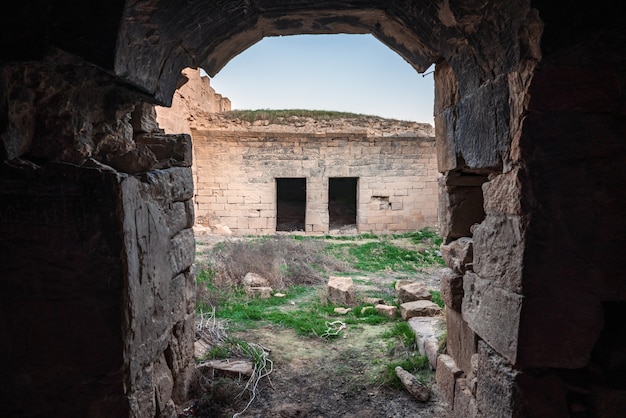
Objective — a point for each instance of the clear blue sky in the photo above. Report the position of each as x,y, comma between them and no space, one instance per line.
351,73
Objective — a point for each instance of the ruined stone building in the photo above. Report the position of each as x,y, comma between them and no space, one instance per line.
96,209
368,174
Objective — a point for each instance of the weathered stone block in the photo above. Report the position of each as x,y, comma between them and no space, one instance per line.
419,308
163,383
503,194
340,290
143,118
183,251
483,142
387,310
428,333
413,291
169,185
545,394
178,216
542,319
451,285
461,342
402,282
493,313
458,254
169,150
499,244
446,376
464,401
496,393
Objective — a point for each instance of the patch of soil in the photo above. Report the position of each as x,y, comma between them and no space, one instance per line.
315,378
332,379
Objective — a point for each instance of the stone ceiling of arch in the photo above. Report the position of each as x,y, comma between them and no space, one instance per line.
157,41
158,38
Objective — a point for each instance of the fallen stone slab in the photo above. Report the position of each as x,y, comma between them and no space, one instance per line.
428,333
410,310
342,311
413,386
227,367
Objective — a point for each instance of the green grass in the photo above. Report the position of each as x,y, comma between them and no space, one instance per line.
304,309
402,331
414,364
382,256
437,298
281,116
309,317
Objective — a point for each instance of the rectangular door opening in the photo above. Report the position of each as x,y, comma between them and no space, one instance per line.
290,204
342,197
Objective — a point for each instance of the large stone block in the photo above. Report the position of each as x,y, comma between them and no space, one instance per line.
144,118
169,150
493,313
157,321
413,291
496,393
340,290
419,308
481,141
428,334
446,375
169,185
548,321
503,194
461,342
499,244
464,401
451,285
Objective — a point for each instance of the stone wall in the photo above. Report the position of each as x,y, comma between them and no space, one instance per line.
194,96
97,291
236,178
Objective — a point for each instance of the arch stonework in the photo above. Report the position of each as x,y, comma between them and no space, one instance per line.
96,212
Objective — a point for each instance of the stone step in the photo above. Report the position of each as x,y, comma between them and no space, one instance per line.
428,333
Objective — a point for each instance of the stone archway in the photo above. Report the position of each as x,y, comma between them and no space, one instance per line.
529,114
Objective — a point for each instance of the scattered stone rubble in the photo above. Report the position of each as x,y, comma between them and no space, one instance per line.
417,308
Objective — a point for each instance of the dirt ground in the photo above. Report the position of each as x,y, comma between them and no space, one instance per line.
330,379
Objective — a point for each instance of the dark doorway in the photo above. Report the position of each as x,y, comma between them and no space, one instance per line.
290,204
342,201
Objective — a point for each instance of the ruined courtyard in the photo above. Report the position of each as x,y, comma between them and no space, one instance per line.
97,292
